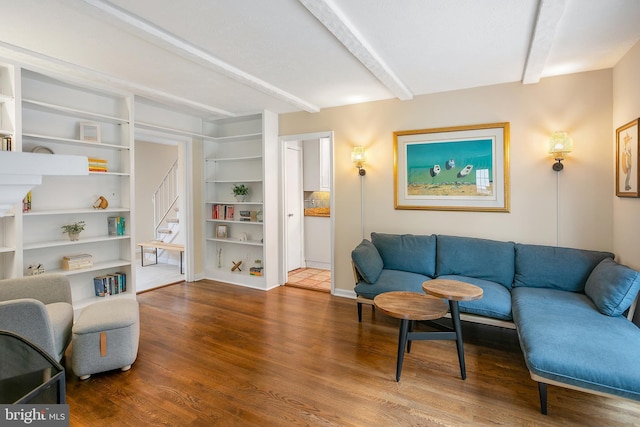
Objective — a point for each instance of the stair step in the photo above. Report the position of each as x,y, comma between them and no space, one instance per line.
164,231
173,220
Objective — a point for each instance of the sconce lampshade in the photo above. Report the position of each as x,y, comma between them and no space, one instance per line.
359,157
559,145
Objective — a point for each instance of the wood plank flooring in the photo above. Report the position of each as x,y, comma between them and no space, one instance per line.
217,354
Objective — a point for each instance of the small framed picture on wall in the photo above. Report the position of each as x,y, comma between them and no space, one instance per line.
627,148
90,132
221,231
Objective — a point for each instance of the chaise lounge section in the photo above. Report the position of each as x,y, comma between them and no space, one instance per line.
570,307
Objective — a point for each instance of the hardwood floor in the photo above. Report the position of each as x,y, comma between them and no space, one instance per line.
217,354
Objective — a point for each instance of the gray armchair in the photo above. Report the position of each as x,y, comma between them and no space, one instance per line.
39,309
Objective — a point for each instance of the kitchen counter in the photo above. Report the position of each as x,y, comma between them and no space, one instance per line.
324,212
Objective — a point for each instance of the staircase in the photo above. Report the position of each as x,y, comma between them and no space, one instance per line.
166,218
165,212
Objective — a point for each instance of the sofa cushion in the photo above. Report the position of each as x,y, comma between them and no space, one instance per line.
61,317
367,261
407,252
495,301
566,269
480,258
391,280
612,287
565,338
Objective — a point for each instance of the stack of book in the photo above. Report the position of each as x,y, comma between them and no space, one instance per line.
110,284
225,212
77,262
255,271
26,203
97,165
115,226
7,143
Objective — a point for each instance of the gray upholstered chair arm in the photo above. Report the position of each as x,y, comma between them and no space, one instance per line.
46,288
29,319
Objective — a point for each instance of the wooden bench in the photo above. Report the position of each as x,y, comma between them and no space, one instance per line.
160,245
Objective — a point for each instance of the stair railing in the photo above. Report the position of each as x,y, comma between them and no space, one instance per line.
165,197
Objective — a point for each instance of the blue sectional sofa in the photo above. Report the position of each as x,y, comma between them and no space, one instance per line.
570,307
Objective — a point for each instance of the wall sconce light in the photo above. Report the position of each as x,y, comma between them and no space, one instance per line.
359,158
559,146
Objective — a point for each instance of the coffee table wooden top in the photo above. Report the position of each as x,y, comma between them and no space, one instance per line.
411,305
452,290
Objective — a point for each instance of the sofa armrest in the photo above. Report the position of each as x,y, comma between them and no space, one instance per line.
46,288
29,319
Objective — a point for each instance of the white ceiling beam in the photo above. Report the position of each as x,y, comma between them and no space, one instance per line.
337,23
162,38
81,75
549,14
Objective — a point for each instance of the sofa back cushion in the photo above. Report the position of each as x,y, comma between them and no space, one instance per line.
551,267
612,287
407,252
367,261
480,258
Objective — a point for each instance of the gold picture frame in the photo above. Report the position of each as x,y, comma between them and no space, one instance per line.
461,168
627,149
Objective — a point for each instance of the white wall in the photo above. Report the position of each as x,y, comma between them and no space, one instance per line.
581,104
626,107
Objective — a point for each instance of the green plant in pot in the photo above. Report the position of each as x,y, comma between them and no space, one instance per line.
240,191
73,230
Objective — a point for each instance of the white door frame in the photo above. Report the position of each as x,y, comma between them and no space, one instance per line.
185,150
283,139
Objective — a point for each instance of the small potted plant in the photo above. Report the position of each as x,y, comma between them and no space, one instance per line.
240,191
73,230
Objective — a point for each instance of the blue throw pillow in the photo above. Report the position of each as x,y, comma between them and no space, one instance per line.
612,287
407,252
367,261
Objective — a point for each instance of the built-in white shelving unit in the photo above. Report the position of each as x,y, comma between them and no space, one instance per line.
8,223
52,112
241,151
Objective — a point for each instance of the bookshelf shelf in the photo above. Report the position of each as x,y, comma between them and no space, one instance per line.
68,111
234,159
236,241
5,98
231,181
109,173
5,250
67,242
72,141
77,211
232,202
235,221
104,265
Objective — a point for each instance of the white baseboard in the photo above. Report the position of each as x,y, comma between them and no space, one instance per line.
344,293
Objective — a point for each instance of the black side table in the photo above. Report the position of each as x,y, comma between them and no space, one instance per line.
28,374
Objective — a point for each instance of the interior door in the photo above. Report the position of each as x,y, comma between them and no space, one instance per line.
294,207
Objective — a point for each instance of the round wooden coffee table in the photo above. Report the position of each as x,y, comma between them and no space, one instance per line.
454,291
409,307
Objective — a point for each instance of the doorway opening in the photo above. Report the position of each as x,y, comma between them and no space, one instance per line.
307,205
160,214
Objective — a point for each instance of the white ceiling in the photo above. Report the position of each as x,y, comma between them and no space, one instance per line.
232,57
